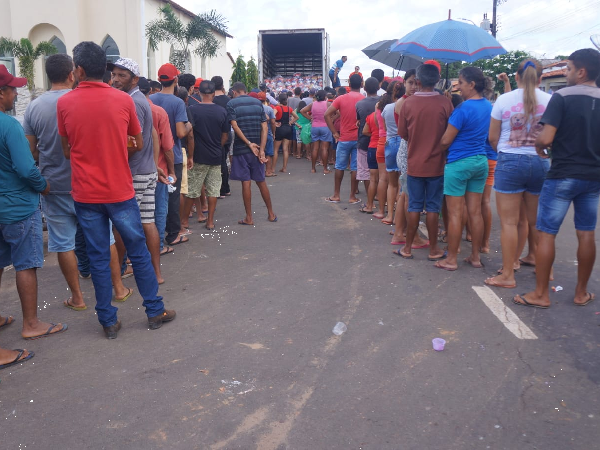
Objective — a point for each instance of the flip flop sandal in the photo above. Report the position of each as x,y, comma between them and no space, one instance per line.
48,333
525,263
449,269
589,300
524,302
179,240
491,282
7,321
438,258
241,222
398,252
18,359
67,304
124,299
328,199
274,220
166,251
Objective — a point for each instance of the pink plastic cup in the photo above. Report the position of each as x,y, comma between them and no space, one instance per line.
438,344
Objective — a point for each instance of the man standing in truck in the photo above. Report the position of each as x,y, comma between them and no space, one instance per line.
335,70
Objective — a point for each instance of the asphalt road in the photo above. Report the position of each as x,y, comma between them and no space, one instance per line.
251,361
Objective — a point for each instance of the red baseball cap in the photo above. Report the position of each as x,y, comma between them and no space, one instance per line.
6,78
433,62
167,72
197,83
253,95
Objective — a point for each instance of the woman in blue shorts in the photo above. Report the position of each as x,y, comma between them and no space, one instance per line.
520,172
466,168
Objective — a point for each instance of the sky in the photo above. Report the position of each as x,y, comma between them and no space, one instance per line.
543,28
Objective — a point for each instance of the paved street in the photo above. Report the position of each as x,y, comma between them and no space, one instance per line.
251,361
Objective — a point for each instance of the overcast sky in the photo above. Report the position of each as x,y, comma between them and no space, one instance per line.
543,28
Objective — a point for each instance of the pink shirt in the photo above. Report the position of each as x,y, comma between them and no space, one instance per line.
318,113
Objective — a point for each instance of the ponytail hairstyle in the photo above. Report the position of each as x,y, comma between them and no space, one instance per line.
320,95
529,71
301,105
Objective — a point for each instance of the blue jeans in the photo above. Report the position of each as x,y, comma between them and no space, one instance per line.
337,83
345,150
125,216
556,197
161,200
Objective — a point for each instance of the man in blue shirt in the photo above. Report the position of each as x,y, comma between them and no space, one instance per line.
335,70
21,239
180,128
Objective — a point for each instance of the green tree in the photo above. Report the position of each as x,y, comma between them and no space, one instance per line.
27,55
239,71
196,36
252,73
508,63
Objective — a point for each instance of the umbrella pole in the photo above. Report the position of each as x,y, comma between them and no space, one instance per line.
447,78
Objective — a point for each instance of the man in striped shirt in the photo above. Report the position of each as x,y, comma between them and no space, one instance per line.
249,122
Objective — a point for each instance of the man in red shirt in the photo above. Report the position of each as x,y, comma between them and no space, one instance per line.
346,138
94,122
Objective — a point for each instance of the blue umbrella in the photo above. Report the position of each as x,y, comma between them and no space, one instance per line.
449,41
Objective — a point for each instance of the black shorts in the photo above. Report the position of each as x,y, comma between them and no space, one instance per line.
283,132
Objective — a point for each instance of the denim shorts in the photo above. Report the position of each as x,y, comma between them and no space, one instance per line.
372,158
269,146
466,175
346,150
556,197
392,146
425,191
320,134
520,173
22,243
61,220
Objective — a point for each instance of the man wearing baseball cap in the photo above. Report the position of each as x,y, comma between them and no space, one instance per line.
180,128
21,240
143,164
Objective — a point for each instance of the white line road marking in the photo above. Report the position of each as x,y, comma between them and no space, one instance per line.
504,313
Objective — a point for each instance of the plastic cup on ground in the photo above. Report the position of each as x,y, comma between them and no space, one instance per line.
438,344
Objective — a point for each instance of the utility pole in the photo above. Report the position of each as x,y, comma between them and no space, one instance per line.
494,27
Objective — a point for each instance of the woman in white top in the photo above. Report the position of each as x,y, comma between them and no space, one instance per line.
520,172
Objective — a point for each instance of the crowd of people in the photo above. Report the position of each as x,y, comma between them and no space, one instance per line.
125,162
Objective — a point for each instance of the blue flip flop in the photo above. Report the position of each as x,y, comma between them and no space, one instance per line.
18,359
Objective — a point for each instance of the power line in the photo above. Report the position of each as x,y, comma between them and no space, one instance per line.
556,22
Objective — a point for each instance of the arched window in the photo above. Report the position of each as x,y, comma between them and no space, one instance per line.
111,49
59,44
60,48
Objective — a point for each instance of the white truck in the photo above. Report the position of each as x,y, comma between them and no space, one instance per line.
292,58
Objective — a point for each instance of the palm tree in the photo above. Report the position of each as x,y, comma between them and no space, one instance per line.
27,55
197,35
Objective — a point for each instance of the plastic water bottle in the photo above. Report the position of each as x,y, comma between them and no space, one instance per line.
339,328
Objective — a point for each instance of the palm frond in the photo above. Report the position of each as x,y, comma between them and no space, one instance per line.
9,46
44,48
